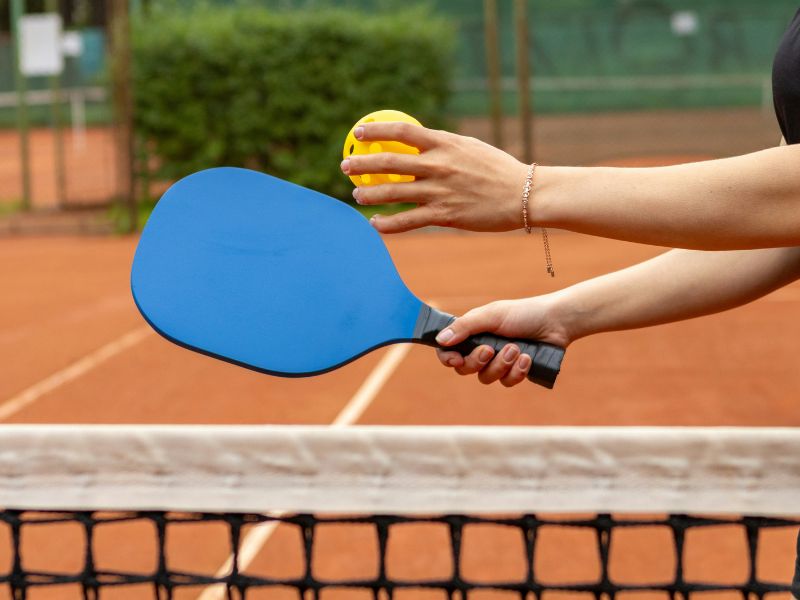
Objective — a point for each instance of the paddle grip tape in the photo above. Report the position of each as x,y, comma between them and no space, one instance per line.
546,358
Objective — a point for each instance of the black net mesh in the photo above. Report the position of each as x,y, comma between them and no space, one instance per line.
165,578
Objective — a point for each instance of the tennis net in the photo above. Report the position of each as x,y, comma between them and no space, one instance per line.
386,512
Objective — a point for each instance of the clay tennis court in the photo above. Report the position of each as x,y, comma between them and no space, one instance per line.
75,350
71,306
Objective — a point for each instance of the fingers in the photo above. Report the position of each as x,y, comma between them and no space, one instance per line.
476,360
509,367
466,365
386,162
404,221
503,367
408,133
449,358
386,193
518,372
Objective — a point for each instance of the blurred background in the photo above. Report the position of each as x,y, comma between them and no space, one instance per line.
137,93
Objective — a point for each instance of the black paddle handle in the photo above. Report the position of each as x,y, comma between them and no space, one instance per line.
545,358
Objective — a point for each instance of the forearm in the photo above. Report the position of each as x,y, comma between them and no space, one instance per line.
677,285
750,201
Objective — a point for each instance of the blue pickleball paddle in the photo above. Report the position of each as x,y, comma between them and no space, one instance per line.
278,278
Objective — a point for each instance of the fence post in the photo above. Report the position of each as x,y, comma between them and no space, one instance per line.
523,78
123,106
17,9
55,115
493,70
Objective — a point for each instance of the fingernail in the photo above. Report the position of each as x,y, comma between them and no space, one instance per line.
359,133
356,193
373,220
524,362
445,336
345,165
451,362
485,355
510,354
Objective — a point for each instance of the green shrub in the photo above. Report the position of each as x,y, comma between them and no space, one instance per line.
278,91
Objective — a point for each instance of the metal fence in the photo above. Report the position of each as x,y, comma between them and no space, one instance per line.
55,134
589,55
584,56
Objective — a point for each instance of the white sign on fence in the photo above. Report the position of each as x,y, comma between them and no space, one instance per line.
40,45
685,23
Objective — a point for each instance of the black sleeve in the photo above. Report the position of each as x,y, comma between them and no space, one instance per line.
797,570
786,83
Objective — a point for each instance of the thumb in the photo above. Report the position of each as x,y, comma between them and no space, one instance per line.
479,320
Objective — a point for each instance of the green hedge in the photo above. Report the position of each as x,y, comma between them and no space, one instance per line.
278,91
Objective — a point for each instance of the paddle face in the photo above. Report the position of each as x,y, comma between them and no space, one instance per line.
267,274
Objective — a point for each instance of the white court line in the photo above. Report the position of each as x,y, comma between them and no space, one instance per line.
73,371
371,386
258,536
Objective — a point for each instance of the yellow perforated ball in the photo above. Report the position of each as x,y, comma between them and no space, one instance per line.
353,146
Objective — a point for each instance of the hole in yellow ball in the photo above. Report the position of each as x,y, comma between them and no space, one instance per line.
352,148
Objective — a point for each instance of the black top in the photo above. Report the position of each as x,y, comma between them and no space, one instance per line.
786,82
797,568
786,93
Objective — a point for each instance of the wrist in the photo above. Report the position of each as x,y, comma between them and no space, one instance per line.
513,205
546,206
566,316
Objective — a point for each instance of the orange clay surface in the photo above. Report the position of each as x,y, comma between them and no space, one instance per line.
65,298
90,169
